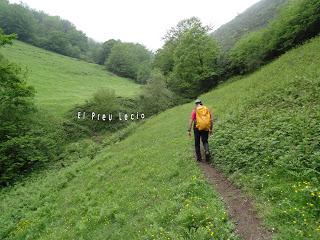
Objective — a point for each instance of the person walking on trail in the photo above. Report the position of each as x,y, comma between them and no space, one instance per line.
202,120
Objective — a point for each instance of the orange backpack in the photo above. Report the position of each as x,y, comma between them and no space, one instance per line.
203,118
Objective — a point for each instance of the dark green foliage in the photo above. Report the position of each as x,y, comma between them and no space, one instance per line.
17,19
6,39
93,53
252,19
188,58
164,58
105,51
48,32
129,60
30,150
144,72
16,99
26,138
297,22
16,108
155,96
195,62
104,101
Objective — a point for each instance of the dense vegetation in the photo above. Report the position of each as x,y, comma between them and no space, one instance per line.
254,18
48,32
129,60
266,136
267,139
298,21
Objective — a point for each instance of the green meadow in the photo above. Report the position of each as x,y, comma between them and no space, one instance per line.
148,186
60,81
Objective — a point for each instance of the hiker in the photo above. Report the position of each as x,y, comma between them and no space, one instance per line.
202,120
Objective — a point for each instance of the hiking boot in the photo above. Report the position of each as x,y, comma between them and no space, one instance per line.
199,160
208,158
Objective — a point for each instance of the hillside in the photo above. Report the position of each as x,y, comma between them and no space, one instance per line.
266,139
61,81
252,19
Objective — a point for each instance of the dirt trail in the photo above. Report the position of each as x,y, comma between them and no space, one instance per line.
239,206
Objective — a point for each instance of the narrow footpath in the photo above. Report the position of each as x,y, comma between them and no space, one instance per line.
240,207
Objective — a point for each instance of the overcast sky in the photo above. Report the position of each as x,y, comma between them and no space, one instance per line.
143,21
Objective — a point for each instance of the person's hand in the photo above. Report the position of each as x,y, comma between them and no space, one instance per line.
210,132
189,133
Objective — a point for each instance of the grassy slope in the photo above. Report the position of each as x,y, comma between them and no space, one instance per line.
61,81
147,186
267,139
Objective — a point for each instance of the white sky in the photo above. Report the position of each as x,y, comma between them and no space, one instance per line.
143,21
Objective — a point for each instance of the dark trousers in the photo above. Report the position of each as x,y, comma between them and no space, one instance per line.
204,138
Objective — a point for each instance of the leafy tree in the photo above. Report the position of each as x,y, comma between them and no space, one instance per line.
174,34
105,51
15,96
164,58
155,96
126,59
17,19
189,58
16,107
143,72
94,51
25,141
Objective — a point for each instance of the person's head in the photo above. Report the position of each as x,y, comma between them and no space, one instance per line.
198,102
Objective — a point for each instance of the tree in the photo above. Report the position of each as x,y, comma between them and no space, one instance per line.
105,51
16,98
164,58
18,19
155,96
24,140
174,34
126,59
195,56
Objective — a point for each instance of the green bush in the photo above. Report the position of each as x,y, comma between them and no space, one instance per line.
104,101
155,96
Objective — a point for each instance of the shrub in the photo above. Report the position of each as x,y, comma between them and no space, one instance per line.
104,101
155,96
